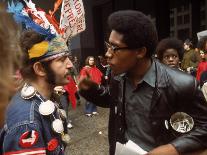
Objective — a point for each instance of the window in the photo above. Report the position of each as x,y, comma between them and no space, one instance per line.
179,20
171,33
183,34
186,19
203,15
186,7
202,3
180,8
172,22
202,27
171,12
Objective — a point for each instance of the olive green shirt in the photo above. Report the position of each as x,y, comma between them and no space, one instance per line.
190,59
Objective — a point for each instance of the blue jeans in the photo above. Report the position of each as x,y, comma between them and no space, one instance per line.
90,107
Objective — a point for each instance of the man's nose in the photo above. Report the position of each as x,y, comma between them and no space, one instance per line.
69,63
108,54
171,58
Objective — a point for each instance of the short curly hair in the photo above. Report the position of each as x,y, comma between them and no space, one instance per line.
202,43
137,29
169,43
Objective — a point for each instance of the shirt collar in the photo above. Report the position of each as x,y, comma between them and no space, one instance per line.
149,77
120,77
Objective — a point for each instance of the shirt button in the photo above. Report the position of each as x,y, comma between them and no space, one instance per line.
119,114
120,129
154,123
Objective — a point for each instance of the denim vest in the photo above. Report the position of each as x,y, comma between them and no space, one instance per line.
23,116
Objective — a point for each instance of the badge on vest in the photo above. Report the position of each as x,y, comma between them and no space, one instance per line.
180,122
28,139
46,108
28,92
52,144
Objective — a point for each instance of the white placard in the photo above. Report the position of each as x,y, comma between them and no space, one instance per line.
72,19
201,34
130,148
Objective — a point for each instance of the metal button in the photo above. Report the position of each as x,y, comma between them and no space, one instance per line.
154,123
166,125
115,109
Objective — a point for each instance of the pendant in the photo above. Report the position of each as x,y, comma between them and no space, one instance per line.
62,113
46,108
65,138
57,126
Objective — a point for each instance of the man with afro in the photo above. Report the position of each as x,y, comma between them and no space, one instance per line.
160,109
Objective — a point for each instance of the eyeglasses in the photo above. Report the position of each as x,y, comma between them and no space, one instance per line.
114,48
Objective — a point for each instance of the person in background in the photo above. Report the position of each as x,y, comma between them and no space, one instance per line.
104,68
190,59
203,83
64,98
90,71
152,106
202,66
170,52
10,58
76,64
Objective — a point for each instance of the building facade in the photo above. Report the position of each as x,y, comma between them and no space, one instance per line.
176,18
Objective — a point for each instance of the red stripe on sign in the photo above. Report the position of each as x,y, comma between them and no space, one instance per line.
35,151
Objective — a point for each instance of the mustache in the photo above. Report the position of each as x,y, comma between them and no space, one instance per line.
69,73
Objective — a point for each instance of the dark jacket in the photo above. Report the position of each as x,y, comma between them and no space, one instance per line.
175,91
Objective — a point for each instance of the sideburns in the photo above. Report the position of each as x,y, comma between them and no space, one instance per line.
50,73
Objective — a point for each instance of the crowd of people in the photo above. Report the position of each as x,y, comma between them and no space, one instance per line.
184,56
155,91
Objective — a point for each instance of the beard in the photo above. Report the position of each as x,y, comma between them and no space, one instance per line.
51,76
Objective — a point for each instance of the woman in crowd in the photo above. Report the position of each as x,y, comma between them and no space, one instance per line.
202,66
91,71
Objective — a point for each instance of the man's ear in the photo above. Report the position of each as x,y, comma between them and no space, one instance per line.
141,52
39,69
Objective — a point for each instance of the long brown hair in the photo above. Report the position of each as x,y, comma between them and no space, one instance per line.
87,60
9,54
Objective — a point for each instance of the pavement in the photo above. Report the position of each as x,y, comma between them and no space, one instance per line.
89,135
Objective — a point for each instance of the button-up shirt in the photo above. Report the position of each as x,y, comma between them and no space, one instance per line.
137,103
